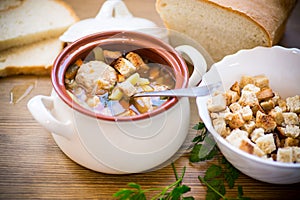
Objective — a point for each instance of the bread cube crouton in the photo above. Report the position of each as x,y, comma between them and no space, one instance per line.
232,96
236,88
265,121
285,155
265,94
296,154
214,116
225,114
257,133
276,113
250,147
245,80
143,104
239,139
281,131
236,134
236,121
266,143
136,60
235,107
220,126
248,99
257,108
290,118
282,105
111,56
292,131
124,67
249,126
261,81
289,142
251,88
293,104
275,98
216,103
127,88
246,113
267,106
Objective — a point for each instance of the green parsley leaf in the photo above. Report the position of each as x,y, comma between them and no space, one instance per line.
212,172
177,192
123,194
134,185
231,174
199,126
204,147
174,191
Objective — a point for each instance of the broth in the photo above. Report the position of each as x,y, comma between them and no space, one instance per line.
104,81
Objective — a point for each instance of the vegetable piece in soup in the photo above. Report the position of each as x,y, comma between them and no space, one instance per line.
105,82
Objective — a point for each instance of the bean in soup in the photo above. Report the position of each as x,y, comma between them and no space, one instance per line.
104,82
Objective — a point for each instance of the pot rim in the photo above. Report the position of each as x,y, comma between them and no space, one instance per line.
72,52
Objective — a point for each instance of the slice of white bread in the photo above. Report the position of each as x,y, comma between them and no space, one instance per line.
223,27
27,21
32,59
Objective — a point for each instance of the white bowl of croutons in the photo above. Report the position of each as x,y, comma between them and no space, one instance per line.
255,117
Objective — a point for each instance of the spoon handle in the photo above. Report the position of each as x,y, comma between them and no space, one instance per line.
184,92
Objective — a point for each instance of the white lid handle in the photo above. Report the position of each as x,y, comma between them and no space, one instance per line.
113,8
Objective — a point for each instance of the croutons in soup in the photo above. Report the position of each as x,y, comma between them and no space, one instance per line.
104,82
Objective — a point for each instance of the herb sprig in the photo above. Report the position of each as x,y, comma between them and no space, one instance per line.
174,191
216,175
204,148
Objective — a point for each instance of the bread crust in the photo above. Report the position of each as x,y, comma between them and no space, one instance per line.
247,17
268,15
26,70
69,8
267,18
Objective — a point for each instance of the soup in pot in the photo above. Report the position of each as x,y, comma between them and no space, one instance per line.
105,80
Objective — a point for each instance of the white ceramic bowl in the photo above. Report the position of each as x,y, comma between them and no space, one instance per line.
282,67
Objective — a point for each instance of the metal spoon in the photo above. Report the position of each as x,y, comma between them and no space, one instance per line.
184,92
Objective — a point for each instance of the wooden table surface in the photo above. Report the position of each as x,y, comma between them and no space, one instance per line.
32,165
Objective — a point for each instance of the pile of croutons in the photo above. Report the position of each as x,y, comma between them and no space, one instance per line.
254,118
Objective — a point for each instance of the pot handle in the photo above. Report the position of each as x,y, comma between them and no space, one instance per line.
198,61
116,7
38,108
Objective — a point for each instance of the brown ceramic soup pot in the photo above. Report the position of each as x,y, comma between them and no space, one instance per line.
119,145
